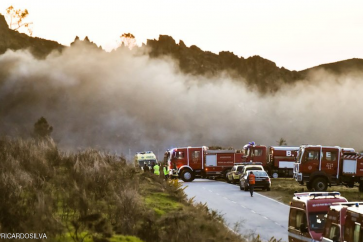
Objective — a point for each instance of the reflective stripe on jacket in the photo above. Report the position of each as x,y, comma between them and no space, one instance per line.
251,179
157,170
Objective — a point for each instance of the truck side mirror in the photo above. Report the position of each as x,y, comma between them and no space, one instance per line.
303,228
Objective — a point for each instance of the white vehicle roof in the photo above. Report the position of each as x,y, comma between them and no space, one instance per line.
145,156
356,209
284,148
204,147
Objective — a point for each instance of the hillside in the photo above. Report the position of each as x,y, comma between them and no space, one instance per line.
95,196
10,39
257,72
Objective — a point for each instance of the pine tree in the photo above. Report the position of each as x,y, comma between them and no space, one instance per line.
42,129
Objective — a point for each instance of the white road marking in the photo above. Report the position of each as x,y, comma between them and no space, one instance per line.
243,206
253,211
272,199
265,217
225,198
218,194
209,190
233,201
264,196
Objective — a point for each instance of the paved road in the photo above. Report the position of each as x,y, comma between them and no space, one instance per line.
258,214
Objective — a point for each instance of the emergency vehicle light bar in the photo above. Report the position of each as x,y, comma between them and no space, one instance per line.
348,204
316,194
321,194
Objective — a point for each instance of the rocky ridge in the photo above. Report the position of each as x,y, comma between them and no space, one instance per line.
257,72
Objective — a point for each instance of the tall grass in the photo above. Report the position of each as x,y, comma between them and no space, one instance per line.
95,196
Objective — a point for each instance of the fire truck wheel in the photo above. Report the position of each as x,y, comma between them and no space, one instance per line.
320,184
309,186
187,176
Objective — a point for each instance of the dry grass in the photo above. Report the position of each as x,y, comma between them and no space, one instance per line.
94,196
283,190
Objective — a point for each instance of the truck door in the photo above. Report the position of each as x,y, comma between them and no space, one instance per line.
297,229
310,160
195,158
329,161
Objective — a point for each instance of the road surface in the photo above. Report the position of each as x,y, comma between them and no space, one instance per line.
258,214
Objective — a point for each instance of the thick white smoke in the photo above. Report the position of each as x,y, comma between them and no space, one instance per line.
126,102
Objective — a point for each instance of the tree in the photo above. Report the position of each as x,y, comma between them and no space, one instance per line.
282,142
42,129
128,40
16,19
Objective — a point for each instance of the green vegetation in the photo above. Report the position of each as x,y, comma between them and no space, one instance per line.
283,190
95,196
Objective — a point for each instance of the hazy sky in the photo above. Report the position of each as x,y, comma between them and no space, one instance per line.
293,34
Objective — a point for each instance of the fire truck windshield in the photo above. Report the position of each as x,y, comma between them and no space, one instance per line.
317,221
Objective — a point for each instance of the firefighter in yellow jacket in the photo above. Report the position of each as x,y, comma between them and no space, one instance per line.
157,169
166,172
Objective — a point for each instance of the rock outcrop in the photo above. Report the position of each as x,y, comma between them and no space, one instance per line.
257,72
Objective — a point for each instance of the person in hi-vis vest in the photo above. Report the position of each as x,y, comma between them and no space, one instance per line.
166,172
251,181
157,169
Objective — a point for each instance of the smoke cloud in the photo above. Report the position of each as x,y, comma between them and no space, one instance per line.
125,102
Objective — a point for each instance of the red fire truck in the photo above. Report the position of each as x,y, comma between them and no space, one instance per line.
276,160
322,166
344,223
189,162
308,212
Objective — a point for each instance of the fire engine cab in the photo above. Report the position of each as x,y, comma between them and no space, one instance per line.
344,223
319,166
308,212
189,162
276,160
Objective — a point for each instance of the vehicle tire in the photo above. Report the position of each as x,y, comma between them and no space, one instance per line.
320,184
240,187
361,186
235,181
309,186
245,188
268,189
228,181
187,175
